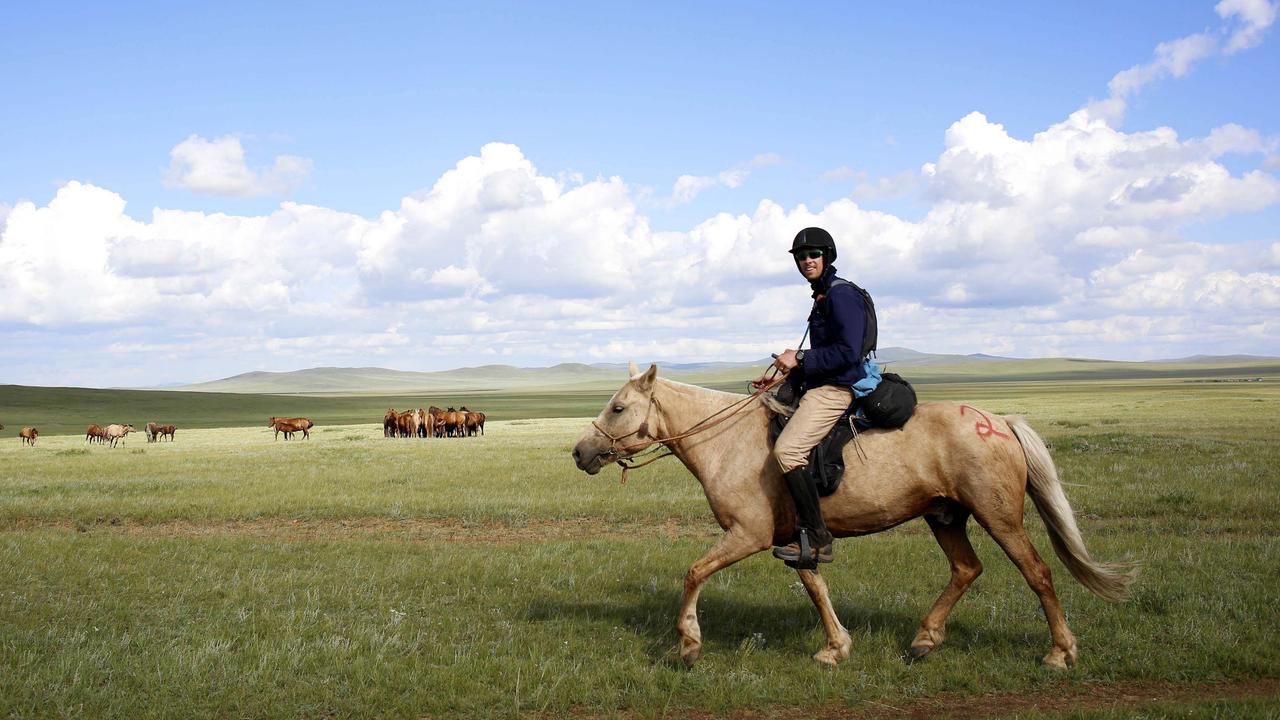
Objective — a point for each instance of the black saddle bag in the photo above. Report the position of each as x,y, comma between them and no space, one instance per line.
826,459
891,404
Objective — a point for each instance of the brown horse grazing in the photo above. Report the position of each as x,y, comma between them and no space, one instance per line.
29,435
115,433
95,433
168,431
948,462
300,424
390,423
152,431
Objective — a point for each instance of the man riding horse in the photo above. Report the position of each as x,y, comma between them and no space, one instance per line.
952,461
832,373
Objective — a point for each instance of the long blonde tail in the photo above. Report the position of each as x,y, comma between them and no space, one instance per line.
1109,581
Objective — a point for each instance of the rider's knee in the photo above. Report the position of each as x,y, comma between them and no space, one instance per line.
786,458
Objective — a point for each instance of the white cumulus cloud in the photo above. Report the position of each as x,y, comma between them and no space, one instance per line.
688,187
218,167
1068,241
1252,18
1243,26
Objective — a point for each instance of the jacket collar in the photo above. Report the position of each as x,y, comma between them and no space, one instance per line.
823,284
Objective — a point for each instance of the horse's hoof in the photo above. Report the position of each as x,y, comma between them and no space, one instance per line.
918,652
828,656
1056,660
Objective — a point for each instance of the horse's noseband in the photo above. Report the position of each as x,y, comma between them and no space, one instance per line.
620,453
616,449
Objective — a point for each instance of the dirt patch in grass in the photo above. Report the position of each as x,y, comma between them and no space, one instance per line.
1084,697
464,531
401,530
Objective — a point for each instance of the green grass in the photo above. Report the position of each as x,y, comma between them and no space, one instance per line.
227,574
96,622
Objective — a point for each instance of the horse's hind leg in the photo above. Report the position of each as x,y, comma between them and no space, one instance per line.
1012,537
838,640
729,549
953,537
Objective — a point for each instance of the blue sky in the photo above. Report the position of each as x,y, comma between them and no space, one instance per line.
593,114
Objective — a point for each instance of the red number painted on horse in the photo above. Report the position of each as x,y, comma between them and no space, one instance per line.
983,427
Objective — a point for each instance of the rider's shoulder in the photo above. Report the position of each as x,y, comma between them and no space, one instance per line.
841,286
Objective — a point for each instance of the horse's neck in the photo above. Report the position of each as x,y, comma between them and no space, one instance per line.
729,444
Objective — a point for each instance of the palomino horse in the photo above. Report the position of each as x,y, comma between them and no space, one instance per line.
948,462
115,433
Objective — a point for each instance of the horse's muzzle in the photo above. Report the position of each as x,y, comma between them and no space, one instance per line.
587,458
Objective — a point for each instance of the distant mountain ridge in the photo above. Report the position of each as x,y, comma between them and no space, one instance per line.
918,366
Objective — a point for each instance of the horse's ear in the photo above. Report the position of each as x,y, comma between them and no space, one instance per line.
645,382
633,369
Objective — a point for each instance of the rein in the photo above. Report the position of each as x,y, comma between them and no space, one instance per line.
618,450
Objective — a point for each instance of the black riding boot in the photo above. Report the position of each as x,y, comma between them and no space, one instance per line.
813,543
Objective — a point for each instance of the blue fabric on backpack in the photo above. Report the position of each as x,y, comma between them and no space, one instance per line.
870,381
864,387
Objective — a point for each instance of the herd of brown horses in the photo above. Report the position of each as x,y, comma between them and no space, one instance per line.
433,422
112,434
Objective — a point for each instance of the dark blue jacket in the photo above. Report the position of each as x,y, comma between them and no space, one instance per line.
836,326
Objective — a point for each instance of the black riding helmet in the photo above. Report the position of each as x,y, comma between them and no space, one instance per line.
815,237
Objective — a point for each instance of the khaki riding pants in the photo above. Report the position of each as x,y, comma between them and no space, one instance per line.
819,410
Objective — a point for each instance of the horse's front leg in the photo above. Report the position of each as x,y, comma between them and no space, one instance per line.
733,546
838,640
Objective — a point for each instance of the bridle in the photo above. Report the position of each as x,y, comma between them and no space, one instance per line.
619,452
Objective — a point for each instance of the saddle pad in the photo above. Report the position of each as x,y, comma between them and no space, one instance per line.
826,459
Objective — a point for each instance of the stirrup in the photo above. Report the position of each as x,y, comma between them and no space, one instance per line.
808,559
808,556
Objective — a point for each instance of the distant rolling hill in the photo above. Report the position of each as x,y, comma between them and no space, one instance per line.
916,366
333,380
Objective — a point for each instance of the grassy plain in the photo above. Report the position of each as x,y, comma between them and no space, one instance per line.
68,411
227,574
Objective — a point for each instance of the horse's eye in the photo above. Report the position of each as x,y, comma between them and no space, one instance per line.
618,408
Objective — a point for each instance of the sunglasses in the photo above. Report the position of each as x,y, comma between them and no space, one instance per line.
808,254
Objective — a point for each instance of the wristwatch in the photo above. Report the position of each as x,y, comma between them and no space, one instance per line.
799,357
